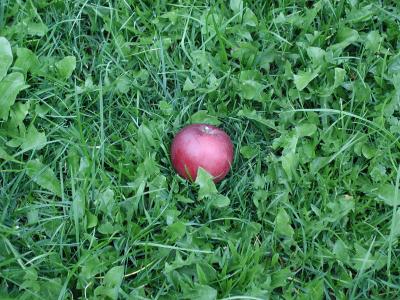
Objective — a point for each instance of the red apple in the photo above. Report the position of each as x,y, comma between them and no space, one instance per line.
202,145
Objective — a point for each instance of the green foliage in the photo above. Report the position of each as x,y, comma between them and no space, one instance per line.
10,86
282,224
33,139
302,79
111,285
6,57
66,66
43,176
91,94
209,192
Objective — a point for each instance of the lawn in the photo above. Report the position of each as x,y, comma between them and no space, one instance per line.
92,93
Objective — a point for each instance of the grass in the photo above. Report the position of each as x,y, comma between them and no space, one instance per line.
91,95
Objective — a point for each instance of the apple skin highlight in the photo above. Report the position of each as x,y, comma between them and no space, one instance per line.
205,146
